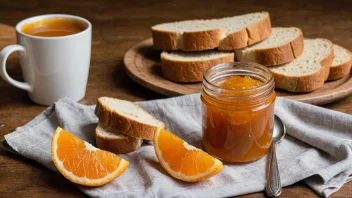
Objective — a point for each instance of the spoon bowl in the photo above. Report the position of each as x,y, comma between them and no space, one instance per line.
279,130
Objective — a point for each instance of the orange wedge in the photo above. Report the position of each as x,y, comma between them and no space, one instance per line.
82,163
183,161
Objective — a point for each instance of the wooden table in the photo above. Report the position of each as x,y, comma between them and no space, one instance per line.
116,27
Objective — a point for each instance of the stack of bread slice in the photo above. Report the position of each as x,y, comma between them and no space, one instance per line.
298,64
123,125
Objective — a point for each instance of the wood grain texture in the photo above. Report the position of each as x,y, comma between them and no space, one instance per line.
143,65
117,26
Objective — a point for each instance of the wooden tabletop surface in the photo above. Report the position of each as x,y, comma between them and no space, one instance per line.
117,26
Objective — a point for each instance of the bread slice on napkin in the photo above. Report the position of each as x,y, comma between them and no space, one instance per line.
116,143
121,116
309,71
283,46
226,33
341,65
190,66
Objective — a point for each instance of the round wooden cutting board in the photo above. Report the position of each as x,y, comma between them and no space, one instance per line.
142,64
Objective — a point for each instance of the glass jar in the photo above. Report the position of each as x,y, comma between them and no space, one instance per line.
237,123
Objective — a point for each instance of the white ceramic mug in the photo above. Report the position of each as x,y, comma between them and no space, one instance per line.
52,67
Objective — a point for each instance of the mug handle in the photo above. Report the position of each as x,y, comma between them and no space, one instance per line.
4,54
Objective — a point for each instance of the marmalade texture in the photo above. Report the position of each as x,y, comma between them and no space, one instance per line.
238,133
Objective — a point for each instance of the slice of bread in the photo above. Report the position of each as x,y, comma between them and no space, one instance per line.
190,66
309,71
226,33
283,46
116,143
121,116
341,65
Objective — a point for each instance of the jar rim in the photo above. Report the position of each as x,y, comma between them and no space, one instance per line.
220,72
246,64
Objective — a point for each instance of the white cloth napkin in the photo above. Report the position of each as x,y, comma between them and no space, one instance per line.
317,149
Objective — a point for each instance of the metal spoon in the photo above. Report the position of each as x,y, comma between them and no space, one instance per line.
273,184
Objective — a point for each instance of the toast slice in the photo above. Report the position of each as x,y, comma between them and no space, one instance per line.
116,143
190,66
226,33
341,65
121,116
307,72
282,46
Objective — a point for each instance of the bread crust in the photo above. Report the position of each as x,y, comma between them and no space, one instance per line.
341,70
248,36
235,40
276,55
165,40
118,145
189,71
309,82
210,39
203,40
118,123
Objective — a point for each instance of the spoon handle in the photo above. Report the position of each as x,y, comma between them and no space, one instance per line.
273,185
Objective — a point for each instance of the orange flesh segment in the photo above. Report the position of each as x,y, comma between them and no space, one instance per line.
240,83
78,160
179,158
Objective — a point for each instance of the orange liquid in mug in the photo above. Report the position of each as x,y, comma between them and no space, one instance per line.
238,135
53,27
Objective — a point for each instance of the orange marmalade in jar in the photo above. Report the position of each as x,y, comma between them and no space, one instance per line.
238,111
